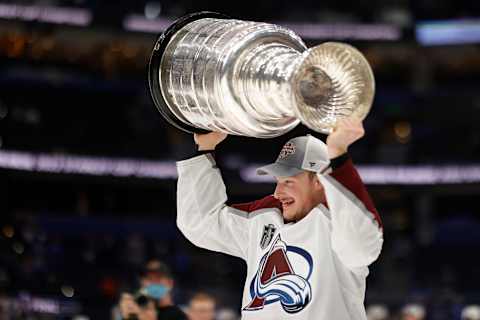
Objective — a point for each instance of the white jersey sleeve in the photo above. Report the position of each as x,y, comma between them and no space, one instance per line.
357,235
202,214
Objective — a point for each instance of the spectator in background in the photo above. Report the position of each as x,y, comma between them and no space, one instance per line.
413,311
471,312
154,299
377,312
201,307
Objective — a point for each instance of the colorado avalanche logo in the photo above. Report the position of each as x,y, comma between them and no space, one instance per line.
276,281
288,149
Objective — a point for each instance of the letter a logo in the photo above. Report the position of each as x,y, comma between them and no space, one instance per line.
276,281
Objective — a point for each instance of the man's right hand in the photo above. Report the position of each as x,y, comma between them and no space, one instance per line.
209,141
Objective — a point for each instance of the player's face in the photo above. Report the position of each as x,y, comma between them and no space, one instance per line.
299,195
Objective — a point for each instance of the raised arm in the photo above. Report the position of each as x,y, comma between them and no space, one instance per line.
202,214
357,234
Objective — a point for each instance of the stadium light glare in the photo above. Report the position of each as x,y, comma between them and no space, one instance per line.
121,167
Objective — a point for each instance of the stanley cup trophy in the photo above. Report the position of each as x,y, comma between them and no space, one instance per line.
211,73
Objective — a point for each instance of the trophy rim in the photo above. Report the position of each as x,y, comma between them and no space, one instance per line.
155,60
309,54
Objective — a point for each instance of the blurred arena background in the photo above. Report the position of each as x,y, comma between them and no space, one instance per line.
87,164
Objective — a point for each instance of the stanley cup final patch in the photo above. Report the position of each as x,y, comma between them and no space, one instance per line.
267,236
288,149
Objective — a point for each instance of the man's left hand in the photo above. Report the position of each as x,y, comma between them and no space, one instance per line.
346,132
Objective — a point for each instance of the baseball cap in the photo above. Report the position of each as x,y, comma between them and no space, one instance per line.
297,155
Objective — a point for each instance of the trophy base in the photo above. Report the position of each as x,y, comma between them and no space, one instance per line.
154,65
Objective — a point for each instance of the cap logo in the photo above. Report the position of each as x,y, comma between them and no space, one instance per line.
288,149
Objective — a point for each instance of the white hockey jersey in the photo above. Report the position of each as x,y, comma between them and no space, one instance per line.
315,268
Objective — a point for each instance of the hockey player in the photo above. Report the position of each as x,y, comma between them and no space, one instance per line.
308,246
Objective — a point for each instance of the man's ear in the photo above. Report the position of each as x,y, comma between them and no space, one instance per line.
317,183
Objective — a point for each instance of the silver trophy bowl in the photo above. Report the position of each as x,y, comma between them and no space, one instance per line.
211,73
